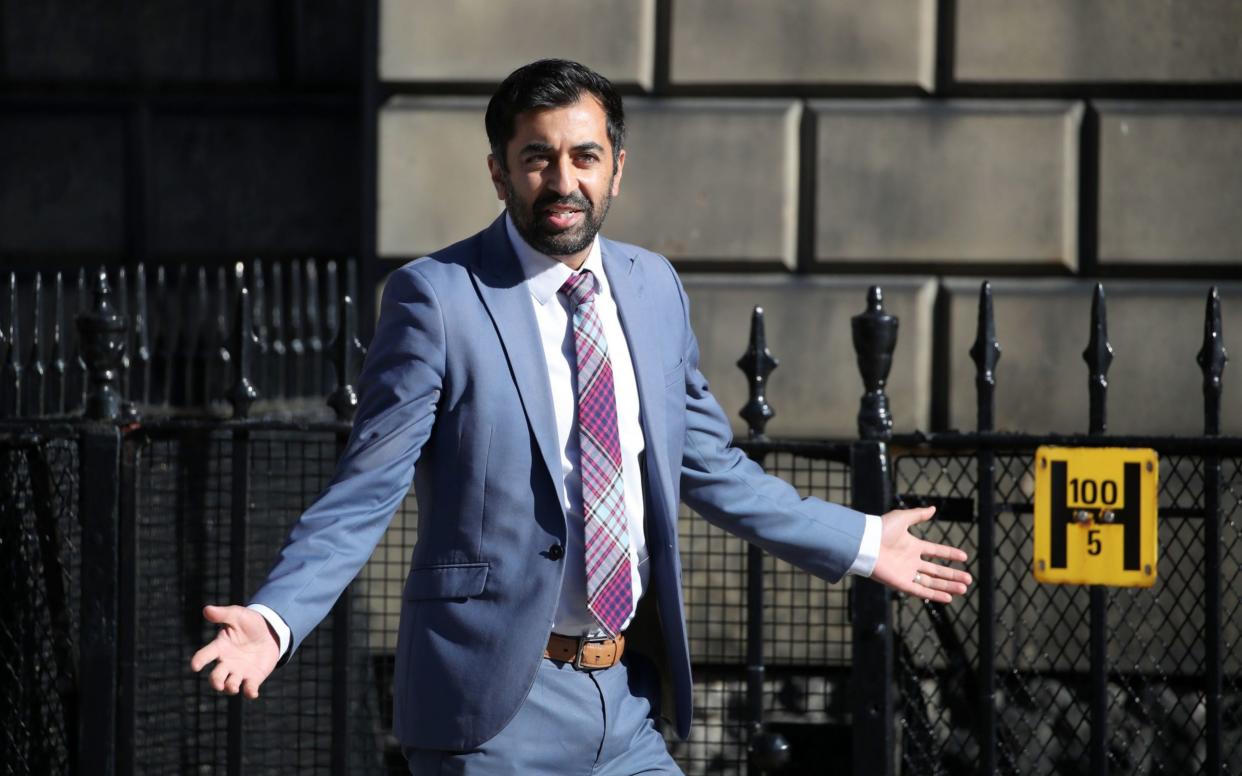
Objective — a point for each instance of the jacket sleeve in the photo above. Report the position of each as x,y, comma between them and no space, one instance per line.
399,389
734,493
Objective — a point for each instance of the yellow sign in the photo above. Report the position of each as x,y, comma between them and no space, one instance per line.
1095,516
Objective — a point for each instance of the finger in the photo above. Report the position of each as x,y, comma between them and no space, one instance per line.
232,685
944,552
251,688
204,656
940,584
947,573
222,615
218,675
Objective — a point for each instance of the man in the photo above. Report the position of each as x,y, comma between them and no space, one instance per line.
540,385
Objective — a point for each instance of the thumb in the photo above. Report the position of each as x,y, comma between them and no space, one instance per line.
218,614
921,515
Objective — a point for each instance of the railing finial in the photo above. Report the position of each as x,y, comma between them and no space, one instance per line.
875,338
347,352
1099,357
102,335
757,363
1212,358
986,352
243,393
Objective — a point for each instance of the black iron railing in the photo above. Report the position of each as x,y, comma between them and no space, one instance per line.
154,462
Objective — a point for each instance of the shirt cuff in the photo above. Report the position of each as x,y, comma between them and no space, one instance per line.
868,549
282,630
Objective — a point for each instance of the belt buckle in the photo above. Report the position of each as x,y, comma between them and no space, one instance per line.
583,641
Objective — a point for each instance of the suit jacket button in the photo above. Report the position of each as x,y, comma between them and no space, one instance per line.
556,552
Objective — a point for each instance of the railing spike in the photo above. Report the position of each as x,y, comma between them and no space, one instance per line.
331,321
140,371
182,354
875,338
279,351
258,300
1212,359
56,358
11,370
36,370
199,376
1099,357
220,359
314,341
757,363
243,393
347,353
297,346
986,352
162,361
102,333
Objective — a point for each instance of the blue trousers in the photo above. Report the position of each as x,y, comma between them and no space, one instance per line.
576,723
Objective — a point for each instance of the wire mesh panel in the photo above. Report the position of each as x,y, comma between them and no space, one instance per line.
184,556
1156,656
39,602
806,636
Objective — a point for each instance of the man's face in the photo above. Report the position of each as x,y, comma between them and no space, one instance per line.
561,178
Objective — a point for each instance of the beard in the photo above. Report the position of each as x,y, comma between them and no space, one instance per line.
546,239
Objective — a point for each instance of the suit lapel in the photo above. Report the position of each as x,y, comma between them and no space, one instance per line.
625,275
501,286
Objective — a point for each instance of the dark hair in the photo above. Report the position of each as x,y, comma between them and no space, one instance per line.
550,83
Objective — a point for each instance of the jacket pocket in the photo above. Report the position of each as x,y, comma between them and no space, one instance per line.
459,580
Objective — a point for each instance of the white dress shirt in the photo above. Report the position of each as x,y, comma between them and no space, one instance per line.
544,277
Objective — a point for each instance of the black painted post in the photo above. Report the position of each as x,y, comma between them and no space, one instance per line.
872,698
161,362
262,360
346,352
241,395
1212,359
1099,357
766,751
986,352
297,345
102,344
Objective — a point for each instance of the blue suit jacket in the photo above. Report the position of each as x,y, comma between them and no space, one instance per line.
454,395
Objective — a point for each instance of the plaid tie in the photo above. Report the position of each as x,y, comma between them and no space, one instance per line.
609,579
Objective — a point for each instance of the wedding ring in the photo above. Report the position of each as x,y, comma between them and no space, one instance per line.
918,576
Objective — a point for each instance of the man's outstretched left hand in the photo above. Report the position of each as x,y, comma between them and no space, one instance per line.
908,563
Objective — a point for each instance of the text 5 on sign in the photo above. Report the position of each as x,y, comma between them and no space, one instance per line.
1095,516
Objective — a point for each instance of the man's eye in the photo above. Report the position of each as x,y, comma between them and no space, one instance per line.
537,162
588,159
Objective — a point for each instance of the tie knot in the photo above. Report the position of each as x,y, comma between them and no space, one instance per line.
579,288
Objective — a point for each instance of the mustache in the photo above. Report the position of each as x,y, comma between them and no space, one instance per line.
574,200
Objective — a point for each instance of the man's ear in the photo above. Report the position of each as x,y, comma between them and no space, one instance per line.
498,176
616,175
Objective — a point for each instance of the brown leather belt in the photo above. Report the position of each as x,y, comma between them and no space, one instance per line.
586,654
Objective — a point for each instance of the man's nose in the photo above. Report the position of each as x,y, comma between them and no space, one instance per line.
562,178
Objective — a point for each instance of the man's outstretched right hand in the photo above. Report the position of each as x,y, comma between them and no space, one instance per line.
245,650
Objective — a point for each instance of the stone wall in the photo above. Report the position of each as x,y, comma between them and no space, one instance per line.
790,155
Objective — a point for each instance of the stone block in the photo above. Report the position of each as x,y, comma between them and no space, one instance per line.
685,160
1099,41
804,42
1155,327
434,187
62,184
816,389
1170,183
242,184
484,40
711,180
960,181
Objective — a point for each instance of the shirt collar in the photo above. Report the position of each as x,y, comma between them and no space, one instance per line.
544,274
